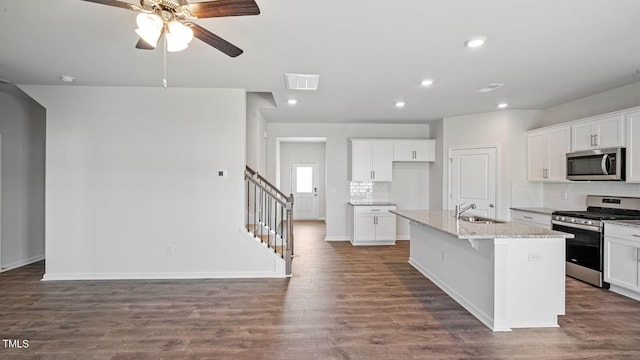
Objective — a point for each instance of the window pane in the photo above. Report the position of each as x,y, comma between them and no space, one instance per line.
304,183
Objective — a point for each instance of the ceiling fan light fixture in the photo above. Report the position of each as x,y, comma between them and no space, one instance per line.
178,36
149,28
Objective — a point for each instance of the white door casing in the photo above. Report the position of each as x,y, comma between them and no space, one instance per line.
473,179
304,187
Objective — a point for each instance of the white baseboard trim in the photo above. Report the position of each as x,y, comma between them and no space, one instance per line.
20,263
625,292
337,238
158,276
403,237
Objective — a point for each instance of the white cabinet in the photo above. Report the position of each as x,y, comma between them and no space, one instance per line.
598,133
546,154
622,259
633,147
373,225
411,150
531,218
371,160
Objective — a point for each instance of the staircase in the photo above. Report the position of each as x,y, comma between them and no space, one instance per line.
269,214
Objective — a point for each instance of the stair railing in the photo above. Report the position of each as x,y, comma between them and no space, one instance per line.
269,215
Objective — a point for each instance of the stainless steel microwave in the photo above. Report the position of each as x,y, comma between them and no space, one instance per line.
601,164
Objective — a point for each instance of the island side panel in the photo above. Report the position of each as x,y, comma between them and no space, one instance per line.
464,273
535,282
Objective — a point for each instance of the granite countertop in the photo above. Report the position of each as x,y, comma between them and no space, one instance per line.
631,223
371,203
539,210
443,220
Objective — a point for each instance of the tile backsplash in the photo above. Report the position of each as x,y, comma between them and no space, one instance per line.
369,190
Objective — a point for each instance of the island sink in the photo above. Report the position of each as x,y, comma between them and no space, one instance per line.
480,219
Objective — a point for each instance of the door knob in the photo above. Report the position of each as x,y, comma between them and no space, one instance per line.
491,206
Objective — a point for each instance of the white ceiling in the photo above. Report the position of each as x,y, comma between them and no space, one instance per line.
369,53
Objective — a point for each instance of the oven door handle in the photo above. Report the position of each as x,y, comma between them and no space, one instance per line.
576,226
605,162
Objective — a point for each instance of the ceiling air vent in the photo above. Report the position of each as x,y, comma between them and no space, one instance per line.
302,81
489,88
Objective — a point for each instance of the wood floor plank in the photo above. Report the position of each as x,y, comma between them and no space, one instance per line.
343,302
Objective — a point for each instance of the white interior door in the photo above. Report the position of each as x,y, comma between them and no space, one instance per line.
304,187
472,179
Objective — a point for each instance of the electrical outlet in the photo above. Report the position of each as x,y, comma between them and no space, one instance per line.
535,257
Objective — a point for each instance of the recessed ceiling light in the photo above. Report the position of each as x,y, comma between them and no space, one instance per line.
400,104
427,82
67,79
503,105
475,41
292,101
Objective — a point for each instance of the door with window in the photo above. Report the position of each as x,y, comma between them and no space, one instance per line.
472,179
304,187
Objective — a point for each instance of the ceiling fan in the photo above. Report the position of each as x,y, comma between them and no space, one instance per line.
173,19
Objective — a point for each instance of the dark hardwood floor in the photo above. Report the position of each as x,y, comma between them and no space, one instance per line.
342,303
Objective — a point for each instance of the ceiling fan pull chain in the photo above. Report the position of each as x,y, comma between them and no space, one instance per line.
164,64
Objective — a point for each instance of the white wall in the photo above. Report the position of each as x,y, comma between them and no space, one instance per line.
613,100
303,151
410,191
256,128
132,189
337,155
504,129
22,126
437,195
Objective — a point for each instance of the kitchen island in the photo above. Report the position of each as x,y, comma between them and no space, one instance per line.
507,275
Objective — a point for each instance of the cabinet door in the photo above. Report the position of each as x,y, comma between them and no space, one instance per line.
404,150
425,150
364,228
558,145
361,159
386,227
582,137
609,132
633,147
536,156
382,157
621,263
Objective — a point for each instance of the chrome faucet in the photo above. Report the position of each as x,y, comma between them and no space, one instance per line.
460,209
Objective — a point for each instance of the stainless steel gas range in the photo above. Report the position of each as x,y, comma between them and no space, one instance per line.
585,252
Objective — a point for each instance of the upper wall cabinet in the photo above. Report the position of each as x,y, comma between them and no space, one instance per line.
410,150
546,154
598,133
633,147
371,160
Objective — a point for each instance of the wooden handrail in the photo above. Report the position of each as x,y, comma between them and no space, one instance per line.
264,180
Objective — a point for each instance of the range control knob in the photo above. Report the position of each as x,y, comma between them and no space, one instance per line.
589,222
573,220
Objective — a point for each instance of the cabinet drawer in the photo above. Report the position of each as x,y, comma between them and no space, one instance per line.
374,210
531,217
623,232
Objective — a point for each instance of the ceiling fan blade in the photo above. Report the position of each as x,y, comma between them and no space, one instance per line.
215,41
220,8
116,3
144,45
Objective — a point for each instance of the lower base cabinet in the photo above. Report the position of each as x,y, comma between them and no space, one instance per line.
622,259
531,218
373,225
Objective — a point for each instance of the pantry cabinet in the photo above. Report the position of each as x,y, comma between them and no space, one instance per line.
598,133
371,160
546,154
622,259
414,150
